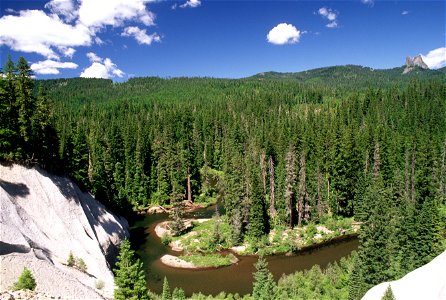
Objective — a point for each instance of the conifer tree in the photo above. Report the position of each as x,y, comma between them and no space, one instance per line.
26,281
264,287
166,290
129,275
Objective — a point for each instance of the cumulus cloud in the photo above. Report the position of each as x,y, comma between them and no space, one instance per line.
330,15
436,58
63,8
33,31
140,35
405,12
101,68
283,33
51,66
191,3
99,13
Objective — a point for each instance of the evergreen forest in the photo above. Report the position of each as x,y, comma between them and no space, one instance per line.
274,151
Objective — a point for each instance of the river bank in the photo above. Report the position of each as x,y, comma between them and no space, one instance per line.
235,278
206,242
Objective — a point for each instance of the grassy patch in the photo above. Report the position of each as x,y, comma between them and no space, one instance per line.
209,260
208,237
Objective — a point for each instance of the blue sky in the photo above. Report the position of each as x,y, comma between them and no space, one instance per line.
119,39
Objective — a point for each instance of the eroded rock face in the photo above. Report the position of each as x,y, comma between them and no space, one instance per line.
45,217
426,282
416,61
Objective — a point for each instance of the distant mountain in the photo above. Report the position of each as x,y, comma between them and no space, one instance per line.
356,76
416,61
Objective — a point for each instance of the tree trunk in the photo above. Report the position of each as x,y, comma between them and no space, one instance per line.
189,189
290,178
272,204
302,188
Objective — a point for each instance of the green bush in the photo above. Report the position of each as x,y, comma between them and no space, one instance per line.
26,281
99,284
70,260
80,264
166,239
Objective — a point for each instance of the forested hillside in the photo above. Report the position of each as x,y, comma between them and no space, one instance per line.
354,77
276,153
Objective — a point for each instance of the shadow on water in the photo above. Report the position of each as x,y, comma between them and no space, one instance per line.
233,279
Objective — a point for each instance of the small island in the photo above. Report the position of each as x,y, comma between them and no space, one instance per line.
207,243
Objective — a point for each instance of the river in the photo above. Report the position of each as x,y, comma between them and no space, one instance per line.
233,279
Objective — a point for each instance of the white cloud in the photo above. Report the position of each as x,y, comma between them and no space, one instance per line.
283,33
368,2
140,35
51,67
11,11
93,57
66,51
191,3
436,58
405,12
99,13
63,8
101,68
330,15
35,32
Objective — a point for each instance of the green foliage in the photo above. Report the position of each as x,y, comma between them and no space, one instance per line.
166,239
166,290
209,260
80,264
178,294
129,275
264,287
26,281
388,295
27,133
70,260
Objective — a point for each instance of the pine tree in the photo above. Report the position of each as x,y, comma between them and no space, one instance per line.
166,290
264,287
178,294
388,295
129,275
26,281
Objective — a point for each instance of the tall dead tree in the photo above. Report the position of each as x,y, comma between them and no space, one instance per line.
303,195
289,183
272,200
320,207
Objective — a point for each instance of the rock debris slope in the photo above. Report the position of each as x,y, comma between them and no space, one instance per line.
42,218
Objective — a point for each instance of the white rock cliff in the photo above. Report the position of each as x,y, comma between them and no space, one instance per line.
427,282
43,218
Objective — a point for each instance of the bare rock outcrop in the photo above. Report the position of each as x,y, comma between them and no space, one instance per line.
412,62
43,218
426,282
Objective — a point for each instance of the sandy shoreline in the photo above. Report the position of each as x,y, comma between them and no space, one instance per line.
176,262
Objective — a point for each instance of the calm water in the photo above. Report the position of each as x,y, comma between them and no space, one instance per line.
233,279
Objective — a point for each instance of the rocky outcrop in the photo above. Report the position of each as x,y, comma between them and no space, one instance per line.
426,282
416,61
45,217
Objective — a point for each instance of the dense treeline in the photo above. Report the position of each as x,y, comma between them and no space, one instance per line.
26,131
276,153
